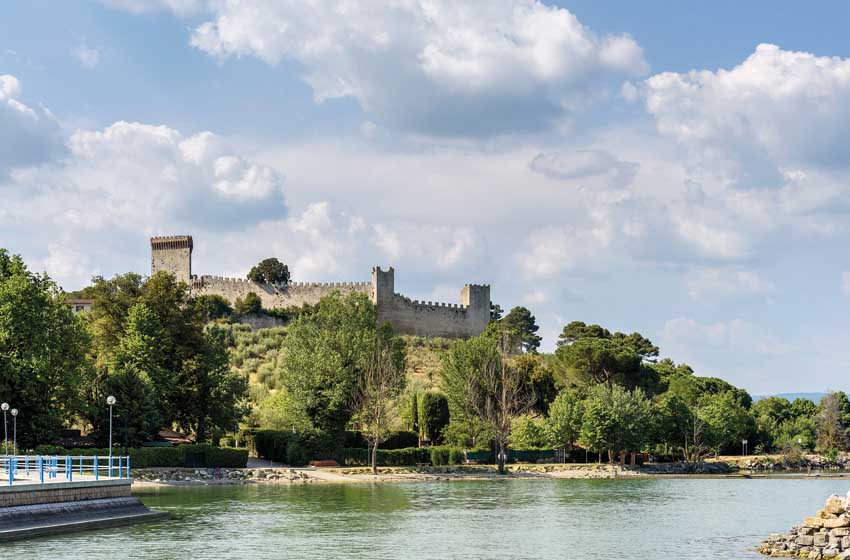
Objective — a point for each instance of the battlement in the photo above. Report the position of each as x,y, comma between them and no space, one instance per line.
208,279
429,305
407,316
172,242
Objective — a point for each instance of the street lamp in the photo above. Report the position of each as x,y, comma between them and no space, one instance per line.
15,432
744,447
5,407
110,400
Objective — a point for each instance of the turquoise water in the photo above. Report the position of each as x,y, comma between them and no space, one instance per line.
581,519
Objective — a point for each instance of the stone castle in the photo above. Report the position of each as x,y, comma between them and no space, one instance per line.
469,318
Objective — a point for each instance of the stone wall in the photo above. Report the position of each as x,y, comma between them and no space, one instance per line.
422,318
826,535
468,318
274,296
33,494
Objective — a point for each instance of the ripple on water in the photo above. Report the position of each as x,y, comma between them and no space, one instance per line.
588,519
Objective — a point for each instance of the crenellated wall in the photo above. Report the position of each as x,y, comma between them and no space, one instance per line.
468,318
427,318
274,296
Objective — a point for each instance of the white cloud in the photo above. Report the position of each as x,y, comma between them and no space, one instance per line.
583,164
134,176
27,135
87,56
721,282
438,67
776,110
67,266
443,247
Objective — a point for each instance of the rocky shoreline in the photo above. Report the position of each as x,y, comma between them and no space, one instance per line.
221,476
288,475
826,535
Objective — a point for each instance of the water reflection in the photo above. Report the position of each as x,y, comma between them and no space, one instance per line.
634,519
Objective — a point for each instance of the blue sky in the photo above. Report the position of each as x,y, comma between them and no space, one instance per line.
675,168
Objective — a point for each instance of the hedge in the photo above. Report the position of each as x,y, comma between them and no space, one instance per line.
409,456
201,455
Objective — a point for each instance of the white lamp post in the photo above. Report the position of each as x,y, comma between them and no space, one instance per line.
14,412
5,407
110,400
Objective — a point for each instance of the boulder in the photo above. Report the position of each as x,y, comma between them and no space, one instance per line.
805,540
843,521
834,505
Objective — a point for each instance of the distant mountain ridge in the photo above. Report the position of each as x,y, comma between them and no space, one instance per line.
814,397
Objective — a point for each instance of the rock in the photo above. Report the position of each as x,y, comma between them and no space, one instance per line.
834,505
843,521
815,522
820,539
840,532
805,540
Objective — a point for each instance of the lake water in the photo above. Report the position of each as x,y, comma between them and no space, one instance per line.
563,519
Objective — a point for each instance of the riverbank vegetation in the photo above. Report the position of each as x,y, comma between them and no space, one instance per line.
332,383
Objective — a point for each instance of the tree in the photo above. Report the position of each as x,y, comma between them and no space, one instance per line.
433,411
495,312
325,354
279,411
524,324
479,382
615,419
591,361
136,411
537,371
563,425
141,351
42,351
212,307
382,383
213,395
726,420
831,433
251,305
528,433
270,271
590,354
769,415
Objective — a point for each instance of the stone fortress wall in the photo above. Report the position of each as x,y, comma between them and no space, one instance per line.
468,318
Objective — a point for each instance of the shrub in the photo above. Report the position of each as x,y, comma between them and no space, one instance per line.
406,457
456,456
164,457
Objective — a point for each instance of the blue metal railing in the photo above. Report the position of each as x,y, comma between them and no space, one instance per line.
35,468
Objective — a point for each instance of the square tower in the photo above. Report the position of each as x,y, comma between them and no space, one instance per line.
172,254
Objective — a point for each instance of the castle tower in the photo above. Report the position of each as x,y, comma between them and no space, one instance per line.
476,298
172,254
383,284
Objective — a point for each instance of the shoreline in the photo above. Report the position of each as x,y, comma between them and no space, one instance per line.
152,478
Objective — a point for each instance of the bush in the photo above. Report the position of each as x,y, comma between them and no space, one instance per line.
406,457
272,444
439,456
163,457
401,440
456,456
224,457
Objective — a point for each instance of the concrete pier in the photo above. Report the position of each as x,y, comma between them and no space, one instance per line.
29,510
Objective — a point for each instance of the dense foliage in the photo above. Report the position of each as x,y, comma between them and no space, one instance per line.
176,361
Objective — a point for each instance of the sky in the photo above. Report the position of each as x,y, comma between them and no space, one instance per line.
674,168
